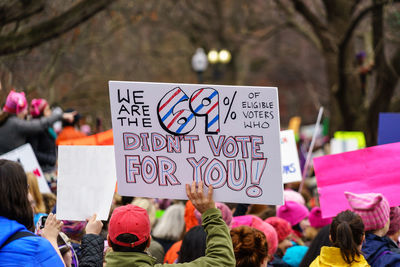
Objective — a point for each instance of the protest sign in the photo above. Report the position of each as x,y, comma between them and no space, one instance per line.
351,135
26,157
343,145
389,128
167,135
291,171
370,170
86,182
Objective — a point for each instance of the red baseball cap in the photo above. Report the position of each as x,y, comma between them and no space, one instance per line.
129,219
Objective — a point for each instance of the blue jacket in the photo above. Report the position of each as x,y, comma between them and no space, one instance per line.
26,251
378,251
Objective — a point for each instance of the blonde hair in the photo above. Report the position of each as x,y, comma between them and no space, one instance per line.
34,190
172,223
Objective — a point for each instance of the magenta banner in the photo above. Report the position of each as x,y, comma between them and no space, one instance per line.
370,170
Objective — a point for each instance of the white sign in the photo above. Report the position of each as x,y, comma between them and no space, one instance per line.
167,135
86,182
343,145
26,157
291,171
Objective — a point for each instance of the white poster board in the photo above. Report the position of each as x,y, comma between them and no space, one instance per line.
86,182
343,145
167,135
291,171
26,157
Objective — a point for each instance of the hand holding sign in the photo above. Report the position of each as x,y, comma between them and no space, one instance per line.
199,200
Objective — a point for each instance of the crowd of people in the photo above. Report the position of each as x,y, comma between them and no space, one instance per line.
196,232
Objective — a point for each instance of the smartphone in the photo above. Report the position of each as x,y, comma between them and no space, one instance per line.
43,221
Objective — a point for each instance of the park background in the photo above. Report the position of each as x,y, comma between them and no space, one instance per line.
67,51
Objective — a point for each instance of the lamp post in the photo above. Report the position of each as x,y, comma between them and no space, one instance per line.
199,63
216,58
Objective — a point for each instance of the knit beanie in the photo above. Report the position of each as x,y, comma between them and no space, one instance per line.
291,195
373,209
316,219
281,226
394,220
294,255
225,211
15,103
266,228
37,107
74,229
292,212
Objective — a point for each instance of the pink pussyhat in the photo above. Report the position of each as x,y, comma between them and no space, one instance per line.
15,103
373,209
316,219
37,107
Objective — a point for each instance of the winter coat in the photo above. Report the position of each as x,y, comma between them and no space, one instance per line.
14,131
91,251
219,249
44,146
27,251
331,257
378,251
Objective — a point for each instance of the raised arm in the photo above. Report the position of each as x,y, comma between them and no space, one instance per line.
219,249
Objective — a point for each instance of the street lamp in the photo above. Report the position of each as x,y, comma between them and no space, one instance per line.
215,58
199,63
224,56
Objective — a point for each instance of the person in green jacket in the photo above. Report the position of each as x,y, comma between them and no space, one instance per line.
129,234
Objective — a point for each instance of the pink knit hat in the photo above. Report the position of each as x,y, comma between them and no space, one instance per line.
282,227
394,220
316,219
373,209
291,195
15,103
292,212
266,228
37,107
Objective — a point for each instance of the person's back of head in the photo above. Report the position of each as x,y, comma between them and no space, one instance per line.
193,245
250,246
321,239
347,233
374,210
172,224
35,192
14,203
129,229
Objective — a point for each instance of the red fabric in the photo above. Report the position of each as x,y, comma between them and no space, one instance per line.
190,218
68,133
100,139
172,254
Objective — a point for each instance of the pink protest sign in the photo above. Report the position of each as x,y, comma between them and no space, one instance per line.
370,170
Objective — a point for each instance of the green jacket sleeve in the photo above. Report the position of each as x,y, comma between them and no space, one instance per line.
219,249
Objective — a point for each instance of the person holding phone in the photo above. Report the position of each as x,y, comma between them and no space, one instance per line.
18,245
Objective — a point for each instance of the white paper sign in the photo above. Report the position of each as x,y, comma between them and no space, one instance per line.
25,155
167,135
86,182
343,145
291,171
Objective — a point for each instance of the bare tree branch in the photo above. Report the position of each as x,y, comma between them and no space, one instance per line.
14,10
51,28
319,28
292,22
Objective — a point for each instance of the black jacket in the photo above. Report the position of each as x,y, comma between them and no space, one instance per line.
44,146
91,251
